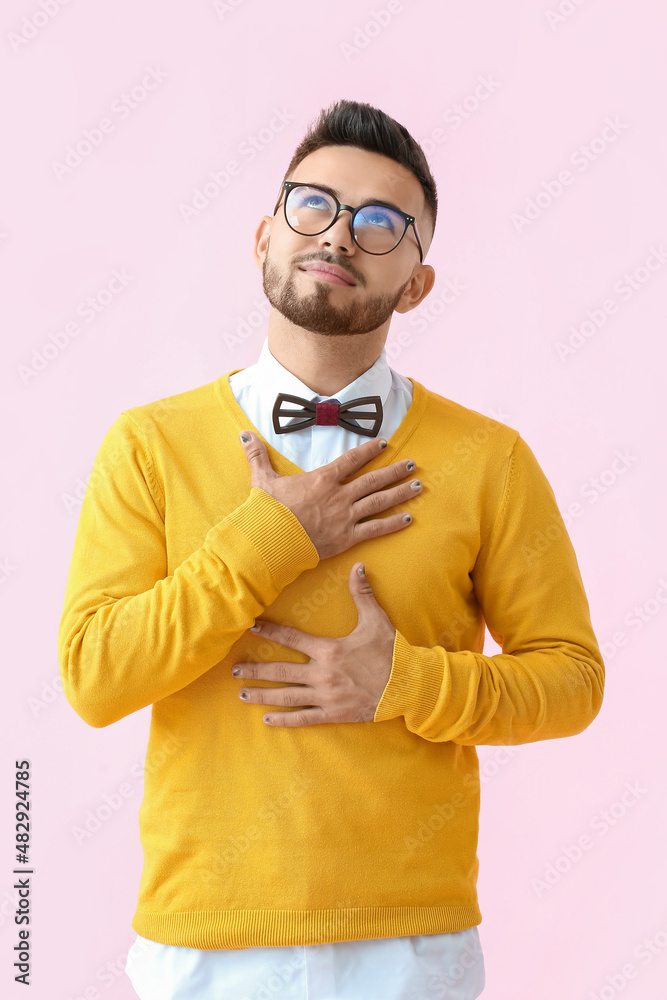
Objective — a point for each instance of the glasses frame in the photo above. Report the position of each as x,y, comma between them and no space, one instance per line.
408,220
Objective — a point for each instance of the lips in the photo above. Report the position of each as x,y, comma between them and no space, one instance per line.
318,265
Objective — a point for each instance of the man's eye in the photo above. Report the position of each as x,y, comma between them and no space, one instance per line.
376,217
319,202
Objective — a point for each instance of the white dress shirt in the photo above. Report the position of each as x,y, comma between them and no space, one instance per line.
421,967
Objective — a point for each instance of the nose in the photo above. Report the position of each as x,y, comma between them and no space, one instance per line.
339,236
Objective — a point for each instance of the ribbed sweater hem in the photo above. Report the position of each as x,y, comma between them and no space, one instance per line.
276,928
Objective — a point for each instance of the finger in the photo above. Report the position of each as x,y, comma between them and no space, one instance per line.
359,584
370,483
348,463
255,450
309,717
273,670
286,697
375,503
380,526
287,635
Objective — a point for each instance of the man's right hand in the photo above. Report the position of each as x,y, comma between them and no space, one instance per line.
331,511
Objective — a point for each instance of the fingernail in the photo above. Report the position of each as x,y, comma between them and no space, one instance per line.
407,518
244,437
255,627
415,485
383,443
410,466
362,570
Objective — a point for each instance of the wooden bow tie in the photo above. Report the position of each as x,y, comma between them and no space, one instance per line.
331,412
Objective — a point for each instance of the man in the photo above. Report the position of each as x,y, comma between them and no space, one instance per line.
310,829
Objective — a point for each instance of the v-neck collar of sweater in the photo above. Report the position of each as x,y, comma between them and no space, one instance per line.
405,429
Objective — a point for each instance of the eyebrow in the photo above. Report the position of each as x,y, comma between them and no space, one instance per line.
367,201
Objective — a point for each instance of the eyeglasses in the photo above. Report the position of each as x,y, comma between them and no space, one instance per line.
376,228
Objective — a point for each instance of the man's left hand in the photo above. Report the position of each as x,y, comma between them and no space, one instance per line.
345,676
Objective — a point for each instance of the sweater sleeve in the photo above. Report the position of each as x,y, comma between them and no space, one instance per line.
548,681
129,633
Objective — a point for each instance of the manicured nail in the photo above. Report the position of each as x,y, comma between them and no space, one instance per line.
362,570
410,466
256,627
244,437
267,719
382,443
415,485
407,518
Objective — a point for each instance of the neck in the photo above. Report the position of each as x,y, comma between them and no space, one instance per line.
326,364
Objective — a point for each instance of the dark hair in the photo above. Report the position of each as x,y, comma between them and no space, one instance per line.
352,123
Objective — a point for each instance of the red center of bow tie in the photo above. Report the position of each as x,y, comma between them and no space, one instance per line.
327,413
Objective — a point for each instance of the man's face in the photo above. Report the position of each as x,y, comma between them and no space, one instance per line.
382,283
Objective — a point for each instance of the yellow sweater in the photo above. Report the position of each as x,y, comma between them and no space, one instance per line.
255,835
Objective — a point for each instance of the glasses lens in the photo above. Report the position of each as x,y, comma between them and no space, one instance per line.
377,228
310,210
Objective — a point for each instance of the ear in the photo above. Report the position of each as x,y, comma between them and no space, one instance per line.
262,235
422,282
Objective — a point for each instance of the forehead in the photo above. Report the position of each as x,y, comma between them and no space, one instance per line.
358,175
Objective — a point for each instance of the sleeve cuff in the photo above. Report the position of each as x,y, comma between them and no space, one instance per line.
277,534
415,685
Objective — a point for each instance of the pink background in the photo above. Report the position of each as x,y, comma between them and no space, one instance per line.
219,77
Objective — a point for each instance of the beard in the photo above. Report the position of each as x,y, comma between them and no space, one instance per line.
316,312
